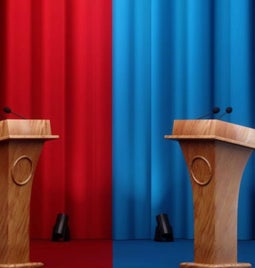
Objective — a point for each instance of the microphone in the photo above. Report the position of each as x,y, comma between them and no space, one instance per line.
7,110
215,110
227,111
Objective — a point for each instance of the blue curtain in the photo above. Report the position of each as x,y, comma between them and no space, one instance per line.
175,59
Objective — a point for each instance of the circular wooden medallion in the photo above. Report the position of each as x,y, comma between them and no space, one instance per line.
201,170
22,170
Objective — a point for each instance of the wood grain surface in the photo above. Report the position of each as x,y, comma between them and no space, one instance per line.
21,142
216,154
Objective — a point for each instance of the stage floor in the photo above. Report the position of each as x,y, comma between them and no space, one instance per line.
123,254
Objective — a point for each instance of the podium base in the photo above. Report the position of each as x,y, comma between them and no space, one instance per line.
204,265
22,265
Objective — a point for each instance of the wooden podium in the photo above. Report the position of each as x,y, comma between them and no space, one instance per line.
216,153
21,142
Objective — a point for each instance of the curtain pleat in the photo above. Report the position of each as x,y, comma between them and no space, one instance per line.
47,27
57,66
88,77
200,54
131,119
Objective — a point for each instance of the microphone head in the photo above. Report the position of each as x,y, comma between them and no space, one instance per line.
216,110
229,110
7,110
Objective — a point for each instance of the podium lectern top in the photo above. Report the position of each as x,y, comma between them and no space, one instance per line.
26,129
214,130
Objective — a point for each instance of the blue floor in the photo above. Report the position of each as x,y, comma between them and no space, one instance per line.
151,254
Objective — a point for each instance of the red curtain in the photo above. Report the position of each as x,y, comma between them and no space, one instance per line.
55,63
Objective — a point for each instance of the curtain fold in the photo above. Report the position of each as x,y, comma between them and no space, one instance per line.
131,119
200,55
57,66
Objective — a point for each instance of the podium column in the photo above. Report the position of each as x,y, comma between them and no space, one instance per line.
21,142
215,171
216,153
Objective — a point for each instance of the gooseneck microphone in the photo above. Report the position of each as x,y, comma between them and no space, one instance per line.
7,110
228,110
215,110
